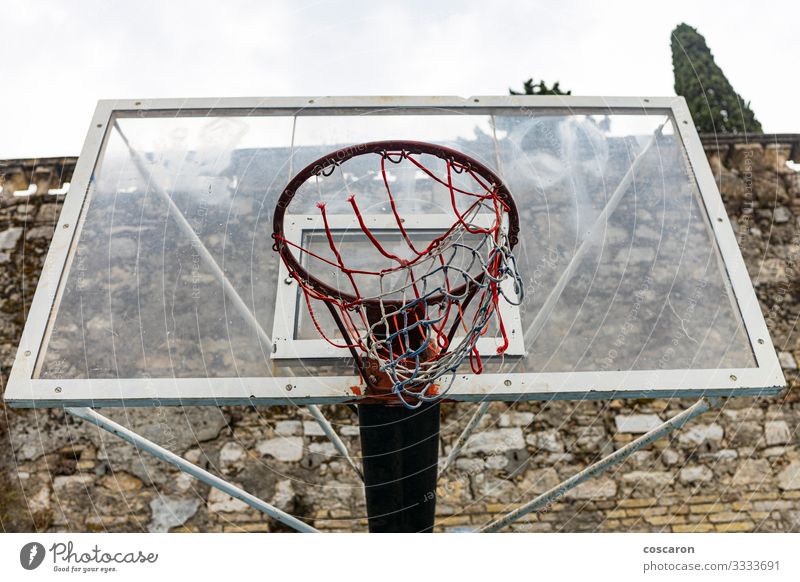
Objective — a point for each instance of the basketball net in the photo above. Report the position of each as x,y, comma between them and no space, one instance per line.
429,304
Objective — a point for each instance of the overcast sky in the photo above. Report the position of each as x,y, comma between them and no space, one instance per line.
60,57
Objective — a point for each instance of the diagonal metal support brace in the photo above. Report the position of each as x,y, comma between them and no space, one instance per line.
327,428
159,452
543,315
464,436
227,287
202,251
590,241
546,498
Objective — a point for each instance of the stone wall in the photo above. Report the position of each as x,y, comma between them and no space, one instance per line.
735,469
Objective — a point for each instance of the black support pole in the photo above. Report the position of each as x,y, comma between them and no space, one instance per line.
400,448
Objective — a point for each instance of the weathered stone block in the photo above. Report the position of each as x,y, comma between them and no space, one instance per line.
789,478
231,457
787,359
741,526
699,434
284,497
696,474
168,512
637,423
670,457
495,441
777,432
288,449
692,528
746,434
648,479
775,157
221,502
751,471
598,488
515,418
288,428
121,481
9,238
546,440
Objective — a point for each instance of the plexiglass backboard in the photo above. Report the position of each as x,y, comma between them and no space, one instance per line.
162,285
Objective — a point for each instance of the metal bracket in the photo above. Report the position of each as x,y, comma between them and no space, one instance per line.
159,452
546,498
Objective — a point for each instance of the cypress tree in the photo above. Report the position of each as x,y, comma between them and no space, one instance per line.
715,106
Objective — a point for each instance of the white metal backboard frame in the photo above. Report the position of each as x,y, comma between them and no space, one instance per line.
24,390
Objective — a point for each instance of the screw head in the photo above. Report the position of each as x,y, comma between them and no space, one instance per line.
289,387
58,389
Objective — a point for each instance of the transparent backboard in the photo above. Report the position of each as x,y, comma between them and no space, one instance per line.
633,283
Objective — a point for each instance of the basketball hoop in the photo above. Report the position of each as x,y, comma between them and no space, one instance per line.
407,319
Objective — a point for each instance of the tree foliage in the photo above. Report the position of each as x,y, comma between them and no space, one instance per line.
715,106
540,88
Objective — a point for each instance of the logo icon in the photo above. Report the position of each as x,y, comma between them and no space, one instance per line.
31,555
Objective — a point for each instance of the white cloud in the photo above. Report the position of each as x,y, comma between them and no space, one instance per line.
59,58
